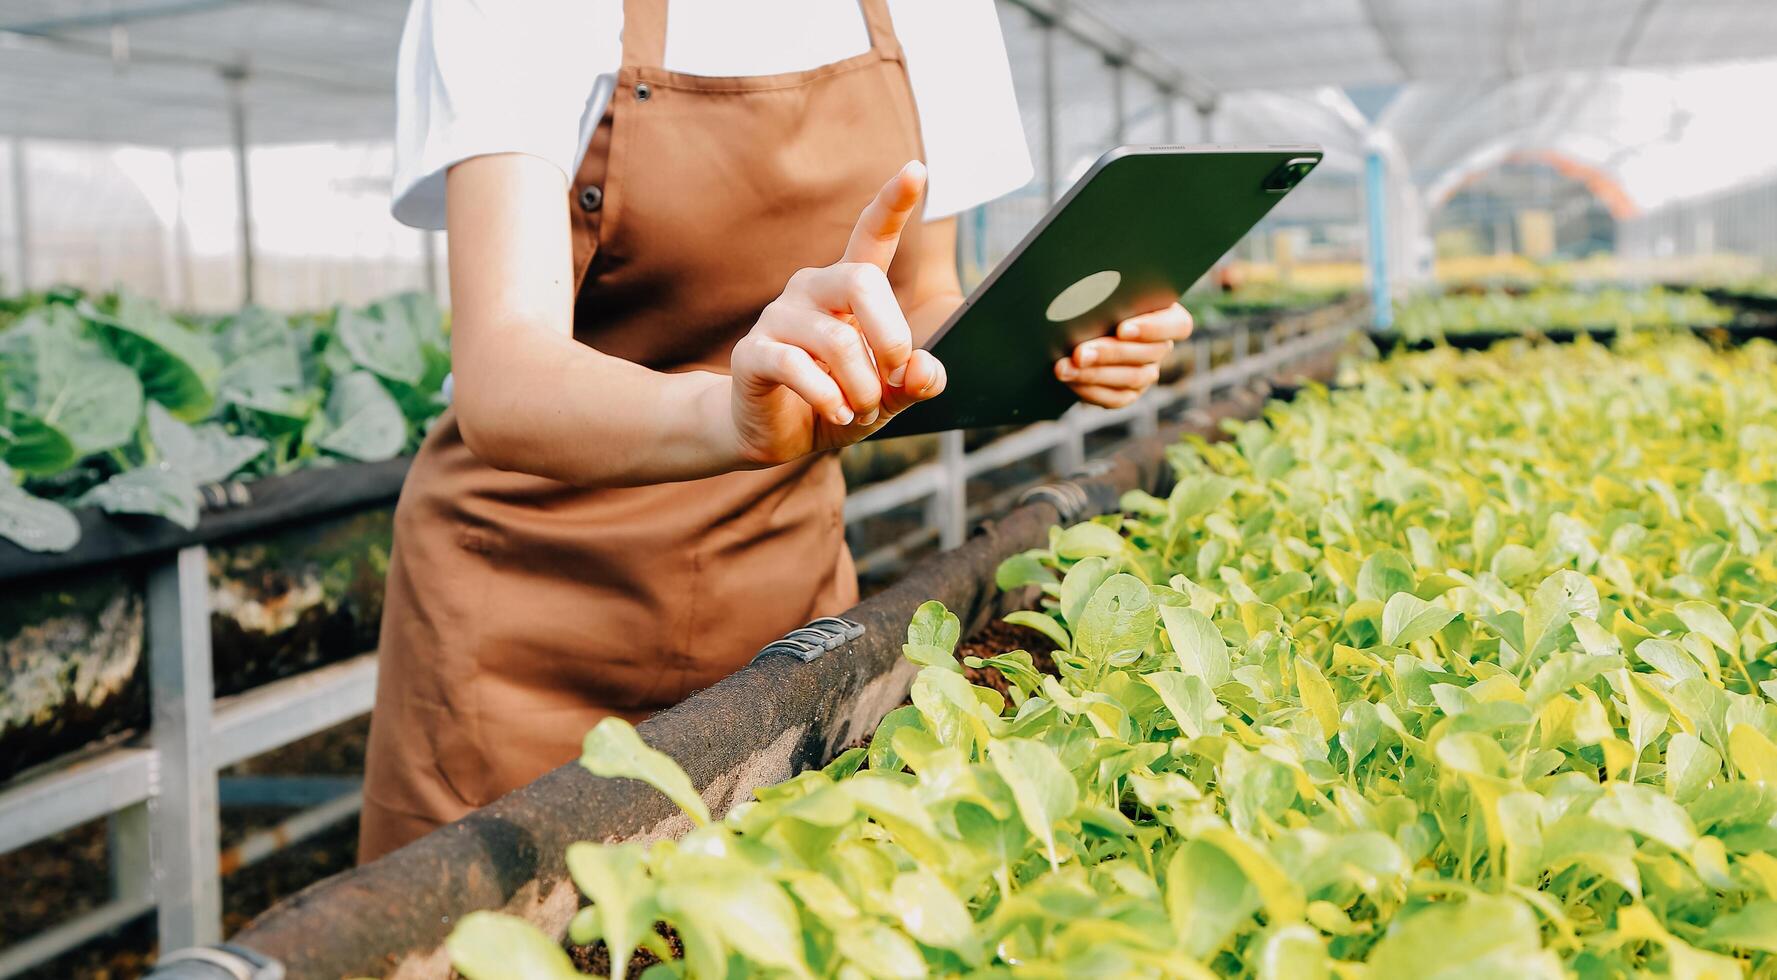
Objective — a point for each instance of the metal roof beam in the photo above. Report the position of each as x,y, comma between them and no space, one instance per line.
116,16
1121,49
1386,40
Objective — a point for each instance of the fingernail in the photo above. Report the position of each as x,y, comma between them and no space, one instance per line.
843,417
898,376
1127,330
1066,370
871,418
1088,354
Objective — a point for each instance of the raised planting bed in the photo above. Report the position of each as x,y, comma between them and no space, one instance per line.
296,580
763,725
1469,669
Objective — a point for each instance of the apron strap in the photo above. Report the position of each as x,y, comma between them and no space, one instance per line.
882,30
644,33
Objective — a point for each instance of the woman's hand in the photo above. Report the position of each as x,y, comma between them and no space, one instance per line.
831,360
1114,371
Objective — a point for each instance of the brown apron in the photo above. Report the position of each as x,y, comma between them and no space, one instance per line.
520,611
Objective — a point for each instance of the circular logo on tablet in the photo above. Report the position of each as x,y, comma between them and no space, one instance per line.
1082,296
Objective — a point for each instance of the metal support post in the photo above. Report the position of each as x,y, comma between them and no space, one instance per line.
1206,122
1169,102
1051,114
182,233
1069,453
429,256
1119,105
952,499
236,79
21,215
1375,205
127,846
182,815
1243,339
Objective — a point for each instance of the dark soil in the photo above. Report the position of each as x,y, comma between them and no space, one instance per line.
596,959
1000,637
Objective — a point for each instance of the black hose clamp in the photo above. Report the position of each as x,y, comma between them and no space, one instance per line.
222,961
811,642
1066,495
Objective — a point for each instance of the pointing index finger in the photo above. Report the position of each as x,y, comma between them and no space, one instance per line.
878,231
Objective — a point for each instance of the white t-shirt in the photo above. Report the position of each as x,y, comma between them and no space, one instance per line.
534,76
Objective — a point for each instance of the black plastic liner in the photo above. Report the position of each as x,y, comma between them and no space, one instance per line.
274,501
756,728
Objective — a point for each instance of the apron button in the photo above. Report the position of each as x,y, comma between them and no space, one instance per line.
644,92
591,197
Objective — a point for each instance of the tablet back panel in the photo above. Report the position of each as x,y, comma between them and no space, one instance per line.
1134,233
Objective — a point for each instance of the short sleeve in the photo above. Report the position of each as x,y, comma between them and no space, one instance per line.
968,113
476,77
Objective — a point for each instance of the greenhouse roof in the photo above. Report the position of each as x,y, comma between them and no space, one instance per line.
1268,44
154,71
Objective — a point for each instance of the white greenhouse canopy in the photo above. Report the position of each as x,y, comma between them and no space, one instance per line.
152,72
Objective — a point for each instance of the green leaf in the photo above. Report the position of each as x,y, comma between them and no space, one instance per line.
1483,936
1690,765
387,349
1190,701
1078,585
1043,789
492,946
1407,619
33,446
176,366
1383,574
365,424
32,523
882,757
1201,650
746,913
1089,540
1648,813
881,952
1751,928
615,877
1020,570
258,352
1196,495
1701,617
205,453
613,749
69,384
1560,597
1207,897
1118,618
932,914
1292,952
934,626
156,491
1043,624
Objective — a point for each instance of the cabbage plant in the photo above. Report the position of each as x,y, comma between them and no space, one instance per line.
113,403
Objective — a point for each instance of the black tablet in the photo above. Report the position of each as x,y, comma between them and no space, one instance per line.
1129,237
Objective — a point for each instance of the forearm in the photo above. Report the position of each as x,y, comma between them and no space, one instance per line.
539,402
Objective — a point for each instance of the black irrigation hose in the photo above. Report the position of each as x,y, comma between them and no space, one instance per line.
757,727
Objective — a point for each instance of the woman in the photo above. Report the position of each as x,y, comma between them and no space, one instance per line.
667,312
